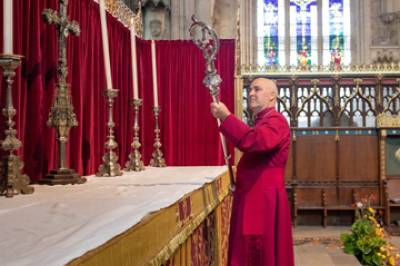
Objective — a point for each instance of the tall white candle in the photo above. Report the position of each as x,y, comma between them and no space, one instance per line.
154,68
134,62
8,26
104,37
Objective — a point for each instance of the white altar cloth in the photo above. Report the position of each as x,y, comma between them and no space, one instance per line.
57,224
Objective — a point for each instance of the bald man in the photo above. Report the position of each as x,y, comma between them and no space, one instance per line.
260,231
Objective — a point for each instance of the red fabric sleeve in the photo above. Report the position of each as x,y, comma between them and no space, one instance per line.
262,138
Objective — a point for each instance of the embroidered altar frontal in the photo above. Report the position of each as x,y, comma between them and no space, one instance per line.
170,216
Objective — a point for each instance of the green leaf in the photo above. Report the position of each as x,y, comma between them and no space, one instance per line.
349,249
376,260
367,260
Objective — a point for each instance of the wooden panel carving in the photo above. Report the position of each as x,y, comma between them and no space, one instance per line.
310,198
346,197
315,158
358,158
289,166
331,198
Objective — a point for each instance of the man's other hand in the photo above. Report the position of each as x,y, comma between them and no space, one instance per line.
219,110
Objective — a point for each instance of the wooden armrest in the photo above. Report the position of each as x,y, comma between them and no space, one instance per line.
340,207
310,207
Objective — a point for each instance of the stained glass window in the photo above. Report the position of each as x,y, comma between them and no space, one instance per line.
303,32
336,31
271,32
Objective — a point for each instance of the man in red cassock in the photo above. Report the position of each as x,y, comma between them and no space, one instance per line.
260,233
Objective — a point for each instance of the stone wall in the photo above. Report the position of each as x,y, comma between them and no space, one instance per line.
375,25
175,17
382,38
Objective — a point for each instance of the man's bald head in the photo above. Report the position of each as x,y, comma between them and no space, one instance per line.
262,94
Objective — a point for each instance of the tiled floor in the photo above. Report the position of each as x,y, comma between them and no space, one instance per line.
319,255
318,246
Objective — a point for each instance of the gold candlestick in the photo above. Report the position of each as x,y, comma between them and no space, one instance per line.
157,156
135,162
110,167
12,181
62,116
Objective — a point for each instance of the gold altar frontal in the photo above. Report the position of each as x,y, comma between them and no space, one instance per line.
192,231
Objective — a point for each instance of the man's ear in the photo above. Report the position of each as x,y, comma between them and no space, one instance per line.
273,95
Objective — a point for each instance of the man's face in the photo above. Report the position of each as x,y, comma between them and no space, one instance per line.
260,95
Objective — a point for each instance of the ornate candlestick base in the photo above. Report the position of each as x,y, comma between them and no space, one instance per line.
135,162
12,181
110,166
157,156
62,176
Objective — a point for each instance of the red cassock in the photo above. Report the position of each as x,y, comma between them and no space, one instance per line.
261,232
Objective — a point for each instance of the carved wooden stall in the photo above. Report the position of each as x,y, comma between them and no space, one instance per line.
390,157
338,153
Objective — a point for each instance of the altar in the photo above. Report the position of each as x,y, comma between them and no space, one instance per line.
174,215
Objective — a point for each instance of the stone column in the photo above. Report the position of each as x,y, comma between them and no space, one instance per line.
356,32
204,10
244,32
224,18
248,31
287,32
389,6
320,37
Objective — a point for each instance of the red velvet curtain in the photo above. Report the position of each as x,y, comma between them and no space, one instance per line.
188,132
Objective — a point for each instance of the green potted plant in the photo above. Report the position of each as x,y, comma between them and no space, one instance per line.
367,239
